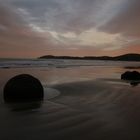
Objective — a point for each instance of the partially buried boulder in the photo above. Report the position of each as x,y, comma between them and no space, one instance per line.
128,75
23,87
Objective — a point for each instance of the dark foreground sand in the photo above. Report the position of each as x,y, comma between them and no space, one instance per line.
90,110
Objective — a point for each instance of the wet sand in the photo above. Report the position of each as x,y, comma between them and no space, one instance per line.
111,111
92,110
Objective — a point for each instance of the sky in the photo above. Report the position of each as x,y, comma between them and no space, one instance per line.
32,28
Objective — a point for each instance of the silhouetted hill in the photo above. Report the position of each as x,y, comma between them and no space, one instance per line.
125,57
128,57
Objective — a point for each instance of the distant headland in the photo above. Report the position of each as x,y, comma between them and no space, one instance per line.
125,57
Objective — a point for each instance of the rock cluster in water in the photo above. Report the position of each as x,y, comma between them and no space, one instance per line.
23,87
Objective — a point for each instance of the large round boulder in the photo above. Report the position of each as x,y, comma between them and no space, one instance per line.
23,87
128,75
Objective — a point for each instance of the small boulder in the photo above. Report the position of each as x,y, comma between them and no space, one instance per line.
23,87
128,75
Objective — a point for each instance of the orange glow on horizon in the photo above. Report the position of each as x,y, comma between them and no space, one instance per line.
64,52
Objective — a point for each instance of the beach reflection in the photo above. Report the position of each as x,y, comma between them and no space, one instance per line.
50,76
24,106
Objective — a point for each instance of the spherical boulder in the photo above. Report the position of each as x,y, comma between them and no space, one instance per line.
128,75
23,87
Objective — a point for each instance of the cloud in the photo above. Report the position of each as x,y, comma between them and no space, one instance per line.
16,37
113,16
68,15
127,22
56,15
79,18
33,27
91,39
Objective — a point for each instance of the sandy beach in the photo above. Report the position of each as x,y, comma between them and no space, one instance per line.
83,110
80,103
